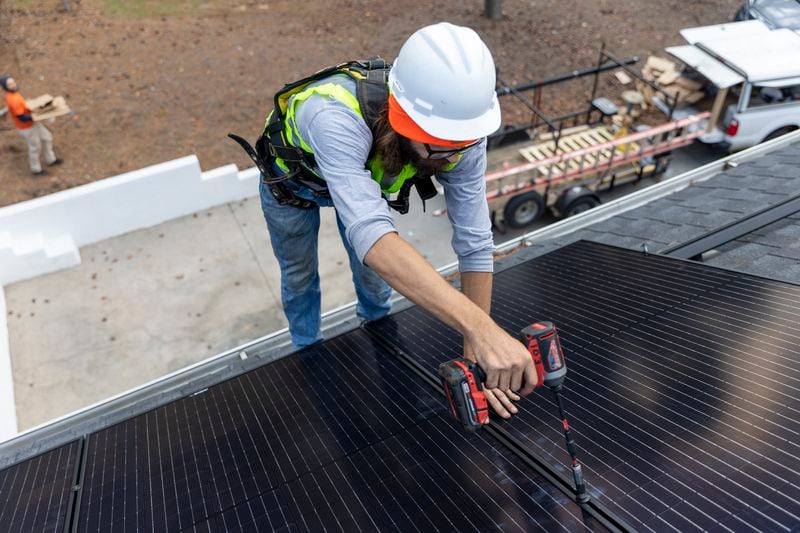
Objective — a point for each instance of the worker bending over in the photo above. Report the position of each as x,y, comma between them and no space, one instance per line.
357,137
38,137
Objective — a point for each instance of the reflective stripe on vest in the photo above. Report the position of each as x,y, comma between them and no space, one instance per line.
388,185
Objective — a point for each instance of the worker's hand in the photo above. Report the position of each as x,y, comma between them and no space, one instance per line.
502,402
507,363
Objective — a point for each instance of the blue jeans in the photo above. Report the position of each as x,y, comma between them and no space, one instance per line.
293,233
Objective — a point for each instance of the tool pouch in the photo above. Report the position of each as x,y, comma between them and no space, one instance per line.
263,161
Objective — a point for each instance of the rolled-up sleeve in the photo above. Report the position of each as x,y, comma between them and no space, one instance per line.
341,143
465,196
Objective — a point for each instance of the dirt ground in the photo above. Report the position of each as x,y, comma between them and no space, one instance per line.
152,81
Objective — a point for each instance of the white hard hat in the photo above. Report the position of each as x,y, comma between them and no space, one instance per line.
444,79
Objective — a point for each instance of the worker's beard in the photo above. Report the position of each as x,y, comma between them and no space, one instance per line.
425,167
396,151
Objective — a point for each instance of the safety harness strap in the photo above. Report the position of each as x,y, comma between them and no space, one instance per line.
273,146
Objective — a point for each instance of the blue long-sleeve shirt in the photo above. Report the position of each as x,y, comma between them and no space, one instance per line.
341,142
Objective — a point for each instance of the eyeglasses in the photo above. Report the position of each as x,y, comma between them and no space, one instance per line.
447,154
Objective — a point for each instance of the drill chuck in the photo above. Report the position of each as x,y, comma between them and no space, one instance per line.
580,487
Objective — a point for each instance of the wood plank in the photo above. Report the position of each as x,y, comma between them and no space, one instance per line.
537,153
546,150
591,138
604,132
550,135
573,147
583,143
526,153
588,161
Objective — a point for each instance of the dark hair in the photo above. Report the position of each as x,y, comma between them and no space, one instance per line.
396,151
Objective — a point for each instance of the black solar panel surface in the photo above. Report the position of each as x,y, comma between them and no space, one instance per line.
431,477
35,494
682,384
587,289
339,436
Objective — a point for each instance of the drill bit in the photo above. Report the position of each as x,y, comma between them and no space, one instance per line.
581,496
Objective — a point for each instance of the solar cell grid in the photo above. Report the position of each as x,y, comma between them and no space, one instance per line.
188,459
584,288
341,436
35,494
429,477
590,293
685,410
682,391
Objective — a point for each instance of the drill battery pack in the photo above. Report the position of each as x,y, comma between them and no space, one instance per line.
463,380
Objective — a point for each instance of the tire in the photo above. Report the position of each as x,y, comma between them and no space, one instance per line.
579,205
523,210
777,133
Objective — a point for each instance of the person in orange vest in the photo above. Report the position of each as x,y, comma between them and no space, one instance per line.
38,137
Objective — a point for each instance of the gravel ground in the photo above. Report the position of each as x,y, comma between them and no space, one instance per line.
151,81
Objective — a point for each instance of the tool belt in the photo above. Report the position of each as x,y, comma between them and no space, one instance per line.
265,163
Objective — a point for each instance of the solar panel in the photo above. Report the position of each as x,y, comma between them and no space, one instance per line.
340,436
682,384
429,477
585,288
35,495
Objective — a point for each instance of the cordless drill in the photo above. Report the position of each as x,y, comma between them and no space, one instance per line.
463,385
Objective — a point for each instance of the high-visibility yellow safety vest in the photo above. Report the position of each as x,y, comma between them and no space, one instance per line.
389,184
281,143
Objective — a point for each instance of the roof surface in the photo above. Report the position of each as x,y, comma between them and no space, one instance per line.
772,251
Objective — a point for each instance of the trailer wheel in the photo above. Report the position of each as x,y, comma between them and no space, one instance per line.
523,210
579,205
574,200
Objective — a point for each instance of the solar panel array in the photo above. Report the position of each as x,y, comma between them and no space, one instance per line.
427,478
35,494
682,384
682,391
341,436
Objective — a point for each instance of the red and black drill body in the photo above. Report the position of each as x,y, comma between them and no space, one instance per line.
463,384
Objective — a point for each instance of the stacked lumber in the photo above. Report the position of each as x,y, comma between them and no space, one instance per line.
665,73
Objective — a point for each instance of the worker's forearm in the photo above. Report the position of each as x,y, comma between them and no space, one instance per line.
411,275
477,286
505,360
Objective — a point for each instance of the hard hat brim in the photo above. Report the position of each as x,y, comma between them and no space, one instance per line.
460,130
402,124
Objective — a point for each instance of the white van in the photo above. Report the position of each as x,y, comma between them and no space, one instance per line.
755,72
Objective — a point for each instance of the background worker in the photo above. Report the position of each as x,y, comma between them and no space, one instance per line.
38,137
441,107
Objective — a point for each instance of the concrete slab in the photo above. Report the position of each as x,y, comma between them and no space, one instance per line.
155,300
